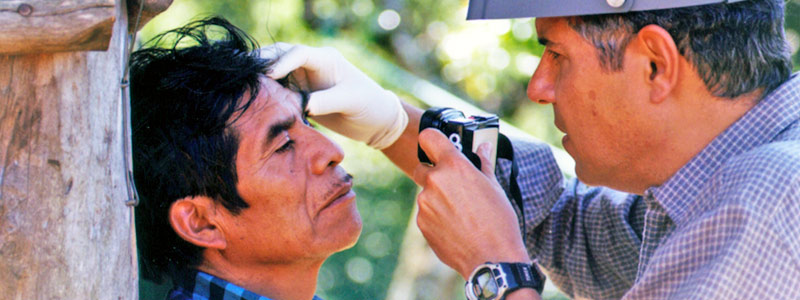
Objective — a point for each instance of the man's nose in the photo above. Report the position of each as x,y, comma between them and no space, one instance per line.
325,153
541,87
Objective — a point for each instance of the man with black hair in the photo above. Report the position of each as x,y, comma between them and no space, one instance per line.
240,197
685,112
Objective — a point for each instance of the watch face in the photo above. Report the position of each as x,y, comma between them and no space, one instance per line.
483,285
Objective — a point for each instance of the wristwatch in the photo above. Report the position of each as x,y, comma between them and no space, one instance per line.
492,281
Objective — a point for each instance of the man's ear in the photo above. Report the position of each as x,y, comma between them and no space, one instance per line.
195,220
664,60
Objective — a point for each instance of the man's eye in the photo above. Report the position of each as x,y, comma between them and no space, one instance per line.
289,145
305,119
308,123
554,55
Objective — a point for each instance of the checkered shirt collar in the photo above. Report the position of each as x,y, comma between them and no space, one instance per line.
761,124
209,287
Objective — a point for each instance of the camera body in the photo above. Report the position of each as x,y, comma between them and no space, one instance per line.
466,134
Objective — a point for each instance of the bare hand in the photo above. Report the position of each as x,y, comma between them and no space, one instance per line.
463,212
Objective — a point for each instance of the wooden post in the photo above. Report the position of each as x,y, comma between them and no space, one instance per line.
65,231
30,26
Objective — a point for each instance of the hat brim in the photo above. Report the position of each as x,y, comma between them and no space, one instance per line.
509,9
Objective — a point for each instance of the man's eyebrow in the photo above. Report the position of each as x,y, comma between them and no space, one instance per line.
543,41
304,104
279,127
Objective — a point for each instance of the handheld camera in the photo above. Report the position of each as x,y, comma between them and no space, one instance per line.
466,134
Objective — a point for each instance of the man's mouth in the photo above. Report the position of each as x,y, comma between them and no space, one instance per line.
557,120
559,125
343,191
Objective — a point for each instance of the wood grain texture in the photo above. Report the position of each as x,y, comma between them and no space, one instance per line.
149,10
38,26
65,232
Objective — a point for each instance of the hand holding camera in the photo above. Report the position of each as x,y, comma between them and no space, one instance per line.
462,206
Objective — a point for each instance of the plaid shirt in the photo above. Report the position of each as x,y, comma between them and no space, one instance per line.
201,286
725,226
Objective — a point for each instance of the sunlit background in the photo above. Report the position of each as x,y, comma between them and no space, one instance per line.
425,51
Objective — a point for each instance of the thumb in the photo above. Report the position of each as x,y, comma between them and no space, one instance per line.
437,146
485,154
333,100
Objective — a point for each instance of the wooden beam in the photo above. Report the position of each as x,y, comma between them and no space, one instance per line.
65,231
37,26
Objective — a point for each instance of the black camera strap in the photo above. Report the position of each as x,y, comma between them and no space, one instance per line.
506,150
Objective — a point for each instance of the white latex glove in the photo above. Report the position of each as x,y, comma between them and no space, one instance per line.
342,98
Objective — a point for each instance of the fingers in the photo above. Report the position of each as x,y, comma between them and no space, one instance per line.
290,57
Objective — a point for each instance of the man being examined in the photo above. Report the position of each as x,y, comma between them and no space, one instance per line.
240,196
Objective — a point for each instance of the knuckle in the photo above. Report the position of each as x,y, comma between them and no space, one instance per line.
435,180
430,179
453,160
421,224
421,199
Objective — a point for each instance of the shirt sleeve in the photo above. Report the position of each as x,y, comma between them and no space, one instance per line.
587,239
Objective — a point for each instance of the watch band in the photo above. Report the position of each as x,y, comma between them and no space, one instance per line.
491,281
525,276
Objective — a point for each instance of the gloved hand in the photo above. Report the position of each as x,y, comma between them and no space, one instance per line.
342,98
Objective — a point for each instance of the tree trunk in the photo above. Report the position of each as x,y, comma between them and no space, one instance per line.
65,231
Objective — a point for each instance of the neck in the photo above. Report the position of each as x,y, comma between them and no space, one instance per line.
285,281
699,118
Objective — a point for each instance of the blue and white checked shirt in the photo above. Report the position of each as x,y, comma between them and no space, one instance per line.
202,286
725,226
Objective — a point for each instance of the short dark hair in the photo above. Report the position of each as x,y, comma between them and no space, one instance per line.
736,48
184,98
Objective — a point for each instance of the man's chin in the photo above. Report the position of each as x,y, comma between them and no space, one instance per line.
586,175
344,234
353,240
355,232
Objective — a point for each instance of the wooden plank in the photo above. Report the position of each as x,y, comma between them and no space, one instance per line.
65,232
37,26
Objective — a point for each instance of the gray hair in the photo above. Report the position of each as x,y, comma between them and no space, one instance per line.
736,48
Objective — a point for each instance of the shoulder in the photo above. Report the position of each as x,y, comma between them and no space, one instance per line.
770,170
762,184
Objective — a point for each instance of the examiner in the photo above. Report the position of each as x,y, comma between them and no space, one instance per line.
686,119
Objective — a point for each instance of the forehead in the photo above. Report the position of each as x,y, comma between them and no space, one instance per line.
272,102
552,29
